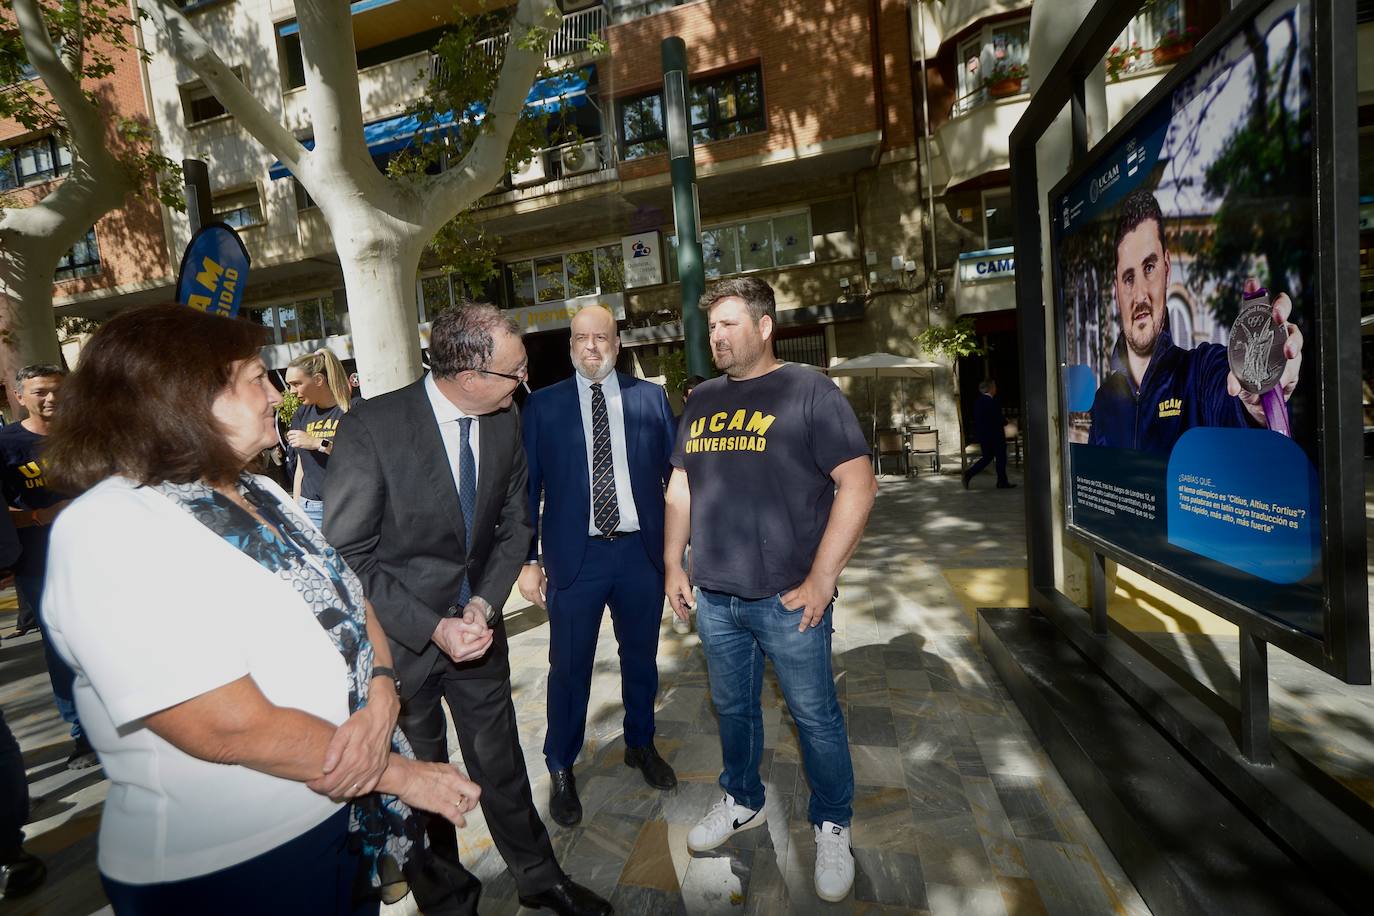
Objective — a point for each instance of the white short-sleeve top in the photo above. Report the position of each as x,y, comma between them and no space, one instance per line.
152,608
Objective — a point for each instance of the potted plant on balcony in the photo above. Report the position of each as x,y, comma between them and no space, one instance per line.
1173,45
1005,78
1120,59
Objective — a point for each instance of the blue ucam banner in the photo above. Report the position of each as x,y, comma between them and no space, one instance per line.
214,269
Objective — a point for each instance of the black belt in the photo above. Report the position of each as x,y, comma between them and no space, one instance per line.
613,536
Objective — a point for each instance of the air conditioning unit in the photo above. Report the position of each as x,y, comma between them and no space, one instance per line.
529,172
582,157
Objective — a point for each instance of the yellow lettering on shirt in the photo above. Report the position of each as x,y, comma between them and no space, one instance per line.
755,429
33,476
323,428
1170,407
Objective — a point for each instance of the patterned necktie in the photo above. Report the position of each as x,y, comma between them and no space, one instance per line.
605,508
467,497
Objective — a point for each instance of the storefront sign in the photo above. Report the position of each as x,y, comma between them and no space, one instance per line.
643,262
549,316
992,264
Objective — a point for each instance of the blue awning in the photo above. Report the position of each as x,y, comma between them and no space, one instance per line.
358,6
391,134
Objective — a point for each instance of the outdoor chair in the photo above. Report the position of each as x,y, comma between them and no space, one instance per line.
891,443
1012,433
925,443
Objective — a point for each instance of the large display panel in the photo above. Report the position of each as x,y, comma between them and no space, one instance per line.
1186,269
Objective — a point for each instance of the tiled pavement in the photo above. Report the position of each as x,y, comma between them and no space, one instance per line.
957,810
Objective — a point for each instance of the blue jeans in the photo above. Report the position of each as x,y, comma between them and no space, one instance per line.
737,634
314,510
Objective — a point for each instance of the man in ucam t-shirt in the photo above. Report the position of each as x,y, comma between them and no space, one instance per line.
773,483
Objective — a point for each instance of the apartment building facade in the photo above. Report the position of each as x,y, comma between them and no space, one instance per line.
123,258
806,160
814,169
974,57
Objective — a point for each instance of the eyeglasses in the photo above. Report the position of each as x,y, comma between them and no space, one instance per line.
521,376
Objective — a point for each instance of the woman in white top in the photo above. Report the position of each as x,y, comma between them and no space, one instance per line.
232,677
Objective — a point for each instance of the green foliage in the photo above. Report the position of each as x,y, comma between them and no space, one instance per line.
674,366
1256,177
464,77
86,33
1119,59
951,342
1006,70
288,406
72,325
138,154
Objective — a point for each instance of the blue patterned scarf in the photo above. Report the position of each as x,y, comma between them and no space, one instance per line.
382,828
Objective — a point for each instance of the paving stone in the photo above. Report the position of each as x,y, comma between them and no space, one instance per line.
956,811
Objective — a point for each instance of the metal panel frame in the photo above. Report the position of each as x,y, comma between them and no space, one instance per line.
1344,649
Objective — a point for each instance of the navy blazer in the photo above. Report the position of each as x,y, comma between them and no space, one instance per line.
556,453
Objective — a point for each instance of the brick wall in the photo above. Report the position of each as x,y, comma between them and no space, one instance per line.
815,55
132,246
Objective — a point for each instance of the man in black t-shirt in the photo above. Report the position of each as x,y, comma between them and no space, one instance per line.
33,506
772,479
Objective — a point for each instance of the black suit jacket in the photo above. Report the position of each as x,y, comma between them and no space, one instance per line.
989,426
391,510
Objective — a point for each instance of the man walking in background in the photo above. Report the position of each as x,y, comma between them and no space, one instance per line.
989,431
773,482
32,507
602,527
426,499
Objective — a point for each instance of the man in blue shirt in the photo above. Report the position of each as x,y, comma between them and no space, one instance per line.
1157,391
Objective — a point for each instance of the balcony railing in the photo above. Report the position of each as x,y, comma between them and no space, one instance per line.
577,29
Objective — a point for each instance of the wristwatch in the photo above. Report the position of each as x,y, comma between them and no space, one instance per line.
384,671
487,610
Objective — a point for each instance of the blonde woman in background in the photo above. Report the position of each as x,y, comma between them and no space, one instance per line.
321,383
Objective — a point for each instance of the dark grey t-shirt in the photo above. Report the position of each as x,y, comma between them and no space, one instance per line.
758,456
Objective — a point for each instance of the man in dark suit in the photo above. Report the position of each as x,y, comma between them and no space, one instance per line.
602,530
989,431
426,501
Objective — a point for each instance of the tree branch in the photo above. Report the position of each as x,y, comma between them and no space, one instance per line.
456,189
188,46
331,82
83,119
74,50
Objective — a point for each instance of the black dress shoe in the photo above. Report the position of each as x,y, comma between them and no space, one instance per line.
22,876
568,898
1006,486
565,806
656,771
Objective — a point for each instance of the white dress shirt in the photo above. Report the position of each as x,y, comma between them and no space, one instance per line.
448,414
620,458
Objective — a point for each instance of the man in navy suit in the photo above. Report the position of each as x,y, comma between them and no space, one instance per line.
989,431
602,526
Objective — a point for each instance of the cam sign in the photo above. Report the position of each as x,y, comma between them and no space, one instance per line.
992,264
214,269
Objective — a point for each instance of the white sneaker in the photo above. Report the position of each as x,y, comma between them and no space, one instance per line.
834,862
724,820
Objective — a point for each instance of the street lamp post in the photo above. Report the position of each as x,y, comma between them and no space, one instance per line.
686,215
